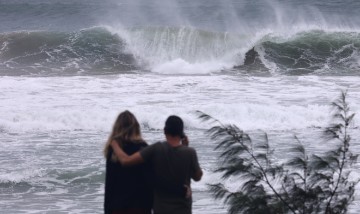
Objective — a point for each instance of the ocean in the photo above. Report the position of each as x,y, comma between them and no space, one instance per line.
68,68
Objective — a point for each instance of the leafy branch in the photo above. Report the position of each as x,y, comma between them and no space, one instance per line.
304,184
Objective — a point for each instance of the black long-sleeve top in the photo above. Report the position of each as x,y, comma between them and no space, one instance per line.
127,187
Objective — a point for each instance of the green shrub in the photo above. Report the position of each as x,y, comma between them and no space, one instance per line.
316,183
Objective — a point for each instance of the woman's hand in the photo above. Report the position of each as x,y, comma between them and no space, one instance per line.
188,193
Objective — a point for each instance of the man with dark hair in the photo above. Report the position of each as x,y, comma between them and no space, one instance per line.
174,165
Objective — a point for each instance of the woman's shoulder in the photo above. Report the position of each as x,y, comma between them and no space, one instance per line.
135,143
129,141
140,143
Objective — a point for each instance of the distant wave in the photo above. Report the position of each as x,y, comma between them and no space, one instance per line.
90,51
168,50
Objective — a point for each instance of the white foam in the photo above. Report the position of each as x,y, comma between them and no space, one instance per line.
92,103
20,175
192,50
180,66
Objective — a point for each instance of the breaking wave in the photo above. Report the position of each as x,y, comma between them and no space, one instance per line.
169,50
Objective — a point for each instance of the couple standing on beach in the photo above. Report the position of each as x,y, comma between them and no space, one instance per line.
142,179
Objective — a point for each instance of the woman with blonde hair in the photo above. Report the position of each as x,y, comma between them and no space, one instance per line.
127,190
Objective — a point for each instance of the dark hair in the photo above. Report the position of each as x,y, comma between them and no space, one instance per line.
174,126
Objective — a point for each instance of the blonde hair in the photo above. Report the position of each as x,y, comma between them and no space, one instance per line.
127,128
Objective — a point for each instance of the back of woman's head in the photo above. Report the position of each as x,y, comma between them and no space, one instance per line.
174,126
126,128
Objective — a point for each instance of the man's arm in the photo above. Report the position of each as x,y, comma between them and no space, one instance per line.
197,175
197,172
125,159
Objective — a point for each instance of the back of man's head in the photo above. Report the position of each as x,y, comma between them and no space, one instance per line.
174,126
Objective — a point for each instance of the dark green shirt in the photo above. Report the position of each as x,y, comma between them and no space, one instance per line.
173,168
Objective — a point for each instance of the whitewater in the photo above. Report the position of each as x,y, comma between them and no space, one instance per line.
68,68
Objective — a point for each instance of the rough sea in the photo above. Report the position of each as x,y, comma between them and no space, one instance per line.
69,67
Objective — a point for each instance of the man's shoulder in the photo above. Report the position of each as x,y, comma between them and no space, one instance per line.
153,148
157,144
187,148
